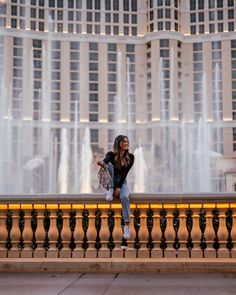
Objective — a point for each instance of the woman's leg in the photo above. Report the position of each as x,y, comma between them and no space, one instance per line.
125,202
110,169
110,192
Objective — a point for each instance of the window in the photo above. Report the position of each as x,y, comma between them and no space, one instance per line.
211,15
126,5
201,17
192,17
193,30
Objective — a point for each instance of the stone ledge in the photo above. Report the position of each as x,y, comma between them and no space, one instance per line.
118,264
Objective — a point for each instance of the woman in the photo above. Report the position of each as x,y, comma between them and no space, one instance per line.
119,161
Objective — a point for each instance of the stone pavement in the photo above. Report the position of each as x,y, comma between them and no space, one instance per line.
159,283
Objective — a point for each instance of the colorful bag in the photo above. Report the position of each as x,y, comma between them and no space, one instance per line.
104,177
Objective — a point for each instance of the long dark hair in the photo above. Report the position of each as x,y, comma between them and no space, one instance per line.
119,159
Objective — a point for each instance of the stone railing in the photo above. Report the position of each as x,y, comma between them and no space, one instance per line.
85,226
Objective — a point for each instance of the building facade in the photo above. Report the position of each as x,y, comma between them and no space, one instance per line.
123,65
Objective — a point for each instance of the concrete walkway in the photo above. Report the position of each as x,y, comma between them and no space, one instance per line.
162,283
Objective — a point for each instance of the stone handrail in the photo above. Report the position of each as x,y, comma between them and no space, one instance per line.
86,226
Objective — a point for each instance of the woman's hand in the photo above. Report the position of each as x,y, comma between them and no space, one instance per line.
117,192
101,163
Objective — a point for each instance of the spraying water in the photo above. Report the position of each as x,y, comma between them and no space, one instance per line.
140,171
63,166
85,164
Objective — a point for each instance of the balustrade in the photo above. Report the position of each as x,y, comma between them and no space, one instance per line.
161,227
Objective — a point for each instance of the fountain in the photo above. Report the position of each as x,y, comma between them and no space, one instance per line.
85,164
44,156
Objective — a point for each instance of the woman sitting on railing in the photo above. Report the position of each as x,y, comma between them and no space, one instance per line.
118,162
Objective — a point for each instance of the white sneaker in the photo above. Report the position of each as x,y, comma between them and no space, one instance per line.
126,233
109,196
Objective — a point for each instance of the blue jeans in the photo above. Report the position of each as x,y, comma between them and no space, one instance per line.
124,192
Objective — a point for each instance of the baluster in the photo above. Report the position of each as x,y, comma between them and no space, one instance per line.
72,223
169,233
117,233
202,225
156,232
189,226
98,224
111,225
85,225
104,251
229,226
150,244
21,227
59,244
209,233
3,234
163,222
46,224
137,243
78,252
196,234
143,251
41,235
176,244
91,252
25,227
54,233
222,234
124,244
215,223
66,233
9,221
34,224
14,236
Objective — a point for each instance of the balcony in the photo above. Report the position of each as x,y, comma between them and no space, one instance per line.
84,232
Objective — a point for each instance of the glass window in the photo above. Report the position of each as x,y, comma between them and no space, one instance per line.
93,56
192,17
112,47
108,4
60,3
211,15
192,4
160,26
201,29
134,19
115,17
116,5
197,46
220,27
200,4
193,30
219,3
216,45
97,17
231,26
126,5
159,13
108,30
201,17
230,14
126,18
212,28
97,4
93,46
108,17
220,14
134,5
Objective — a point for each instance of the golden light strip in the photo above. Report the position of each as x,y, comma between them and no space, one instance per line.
54,206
